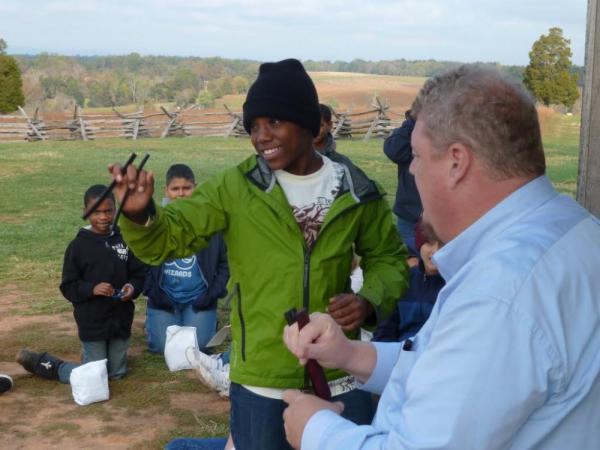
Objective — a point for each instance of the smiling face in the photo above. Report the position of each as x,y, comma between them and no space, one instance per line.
284,145
101,219
179,188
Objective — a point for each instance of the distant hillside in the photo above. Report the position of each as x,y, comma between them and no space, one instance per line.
57,82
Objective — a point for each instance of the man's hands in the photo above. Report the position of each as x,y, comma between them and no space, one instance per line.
301,408
321,339
140,186
324,341
349,310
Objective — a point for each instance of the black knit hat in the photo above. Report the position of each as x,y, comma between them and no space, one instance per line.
283,90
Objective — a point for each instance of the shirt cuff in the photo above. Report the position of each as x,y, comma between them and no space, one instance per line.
387,355
316,427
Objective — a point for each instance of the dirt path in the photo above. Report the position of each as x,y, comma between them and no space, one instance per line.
148,407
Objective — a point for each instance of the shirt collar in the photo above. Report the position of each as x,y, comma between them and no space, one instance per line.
456,253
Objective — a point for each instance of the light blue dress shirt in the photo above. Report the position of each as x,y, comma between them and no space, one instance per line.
510,356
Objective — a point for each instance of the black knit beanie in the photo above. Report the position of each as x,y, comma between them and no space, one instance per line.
283,90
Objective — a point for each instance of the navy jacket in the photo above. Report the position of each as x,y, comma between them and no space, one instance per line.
413,308
213,263
398,149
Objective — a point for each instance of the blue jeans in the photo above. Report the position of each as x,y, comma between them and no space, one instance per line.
183,315
257,422
115,350
406,229
197,444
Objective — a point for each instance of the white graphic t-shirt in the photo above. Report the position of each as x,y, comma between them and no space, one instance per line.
310,196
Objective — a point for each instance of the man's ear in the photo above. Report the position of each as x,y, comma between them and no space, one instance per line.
461,160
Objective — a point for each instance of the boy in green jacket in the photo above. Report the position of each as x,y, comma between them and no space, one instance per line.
291,219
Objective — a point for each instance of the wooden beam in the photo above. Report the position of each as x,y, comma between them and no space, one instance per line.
31,125
165,132
164,110
588,181
136,129
234,123
341,120
371,128
82,130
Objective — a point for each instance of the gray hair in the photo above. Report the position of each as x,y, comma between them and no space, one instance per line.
492,115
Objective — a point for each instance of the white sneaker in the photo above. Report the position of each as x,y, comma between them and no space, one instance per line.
197,358
221,381
214,375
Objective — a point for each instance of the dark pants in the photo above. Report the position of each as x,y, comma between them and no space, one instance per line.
257,422
197,444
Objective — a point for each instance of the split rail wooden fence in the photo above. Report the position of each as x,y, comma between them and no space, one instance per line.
377,122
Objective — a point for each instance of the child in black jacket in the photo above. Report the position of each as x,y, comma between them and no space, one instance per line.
101,277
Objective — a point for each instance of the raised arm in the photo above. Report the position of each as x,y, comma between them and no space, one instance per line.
180,229
397,145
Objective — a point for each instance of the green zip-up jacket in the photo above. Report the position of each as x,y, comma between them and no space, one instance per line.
271,266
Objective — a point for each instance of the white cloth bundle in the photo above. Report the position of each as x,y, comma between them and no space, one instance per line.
177,340
89,383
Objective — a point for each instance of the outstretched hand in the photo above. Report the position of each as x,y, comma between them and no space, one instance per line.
140,186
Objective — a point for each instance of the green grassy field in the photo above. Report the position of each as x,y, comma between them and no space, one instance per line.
41,189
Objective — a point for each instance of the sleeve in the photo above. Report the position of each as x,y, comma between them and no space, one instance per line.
72,285
397,145
219,286
387,331
485,364
148,281
136,274
383,258
180,229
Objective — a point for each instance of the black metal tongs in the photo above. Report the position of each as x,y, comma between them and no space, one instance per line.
112,185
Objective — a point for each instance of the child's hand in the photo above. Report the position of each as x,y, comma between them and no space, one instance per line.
349,310
140,186
104,289
128,291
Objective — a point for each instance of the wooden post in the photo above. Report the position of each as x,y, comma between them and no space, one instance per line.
588,182
136,128
31,125
371,128
81,124
173,118
234,124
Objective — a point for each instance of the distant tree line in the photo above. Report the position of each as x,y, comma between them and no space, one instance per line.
121,80
92,81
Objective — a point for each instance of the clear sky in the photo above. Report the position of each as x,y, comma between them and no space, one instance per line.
264,30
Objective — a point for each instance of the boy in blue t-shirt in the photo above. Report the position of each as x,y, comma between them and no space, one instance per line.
185,291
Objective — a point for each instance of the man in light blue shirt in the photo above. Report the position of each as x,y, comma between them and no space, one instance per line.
510,356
